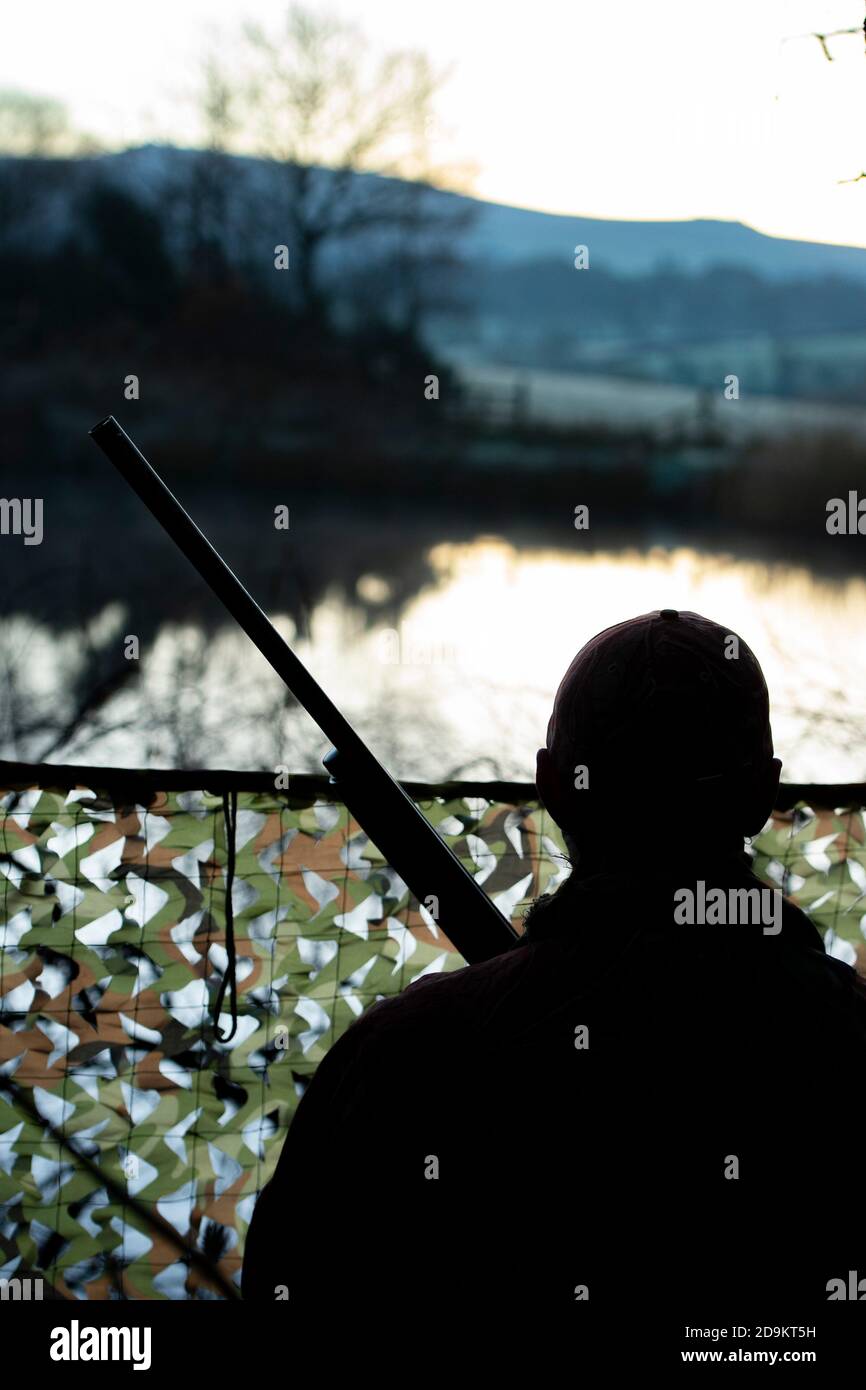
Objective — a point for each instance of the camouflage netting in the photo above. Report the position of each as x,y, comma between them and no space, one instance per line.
113,953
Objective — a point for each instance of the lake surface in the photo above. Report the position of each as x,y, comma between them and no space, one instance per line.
459,681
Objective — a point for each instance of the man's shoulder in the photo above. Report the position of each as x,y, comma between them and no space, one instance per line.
447,998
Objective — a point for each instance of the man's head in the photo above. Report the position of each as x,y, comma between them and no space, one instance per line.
664,717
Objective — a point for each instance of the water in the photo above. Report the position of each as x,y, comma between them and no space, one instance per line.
460,681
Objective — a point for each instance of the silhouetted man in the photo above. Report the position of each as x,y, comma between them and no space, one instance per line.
653,1101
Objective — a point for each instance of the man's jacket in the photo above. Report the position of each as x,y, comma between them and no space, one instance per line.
619,1110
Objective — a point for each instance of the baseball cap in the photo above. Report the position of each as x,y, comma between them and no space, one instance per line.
669,693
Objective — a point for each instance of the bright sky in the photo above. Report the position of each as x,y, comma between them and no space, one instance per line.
609,108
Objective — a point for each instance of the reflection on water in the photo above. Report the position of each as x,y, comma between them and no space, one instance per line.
460,682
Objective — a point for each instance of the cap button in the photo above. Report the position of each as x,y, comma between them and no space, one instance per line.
668,613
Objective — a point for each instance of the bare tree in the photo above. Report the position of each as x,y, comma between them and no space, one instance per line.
316,101
38,127
32,125
202,196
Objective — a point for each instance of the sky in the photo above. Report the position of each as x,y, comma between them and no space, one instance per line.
603,108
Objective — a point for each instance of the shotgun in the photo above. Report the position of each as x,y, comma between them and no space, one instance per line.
381,807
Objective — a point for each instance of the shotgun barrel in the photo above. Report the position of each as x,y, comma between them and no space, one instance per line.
379,804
